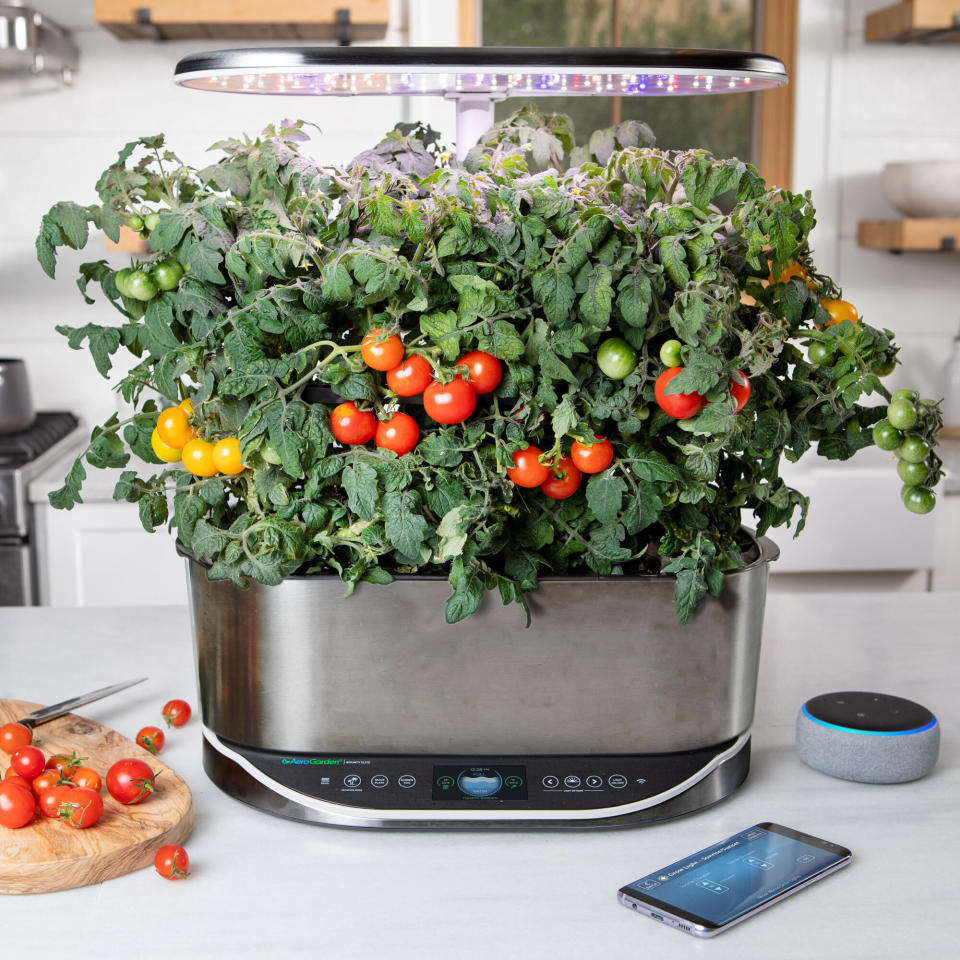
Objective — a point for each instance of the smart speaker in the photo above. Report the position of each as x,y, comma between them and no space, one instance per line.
868,737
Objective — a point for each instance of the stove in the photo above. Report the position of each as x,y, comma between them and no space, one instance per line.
24,456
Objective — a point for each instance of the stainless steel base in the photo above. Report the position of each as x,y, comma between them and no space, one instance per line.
717,778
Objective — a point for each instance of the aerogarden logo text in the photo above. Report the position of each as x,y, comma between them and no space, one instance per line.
316,761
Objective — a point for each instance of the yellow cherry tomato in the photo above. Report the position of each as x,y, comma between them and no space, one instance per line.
839,311
164,451
792,269
198,458
173,428
186,405
226,456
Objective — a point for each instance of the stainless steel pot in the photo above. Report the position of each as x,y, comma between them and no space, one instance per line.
16,405
604,667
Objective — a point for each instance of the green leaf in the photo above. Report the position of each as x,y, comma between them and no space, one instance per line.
672,259
102,342
605,495
553,288
634,297
360,483
598,297
66,496
565,416
405,527
337,284
465,598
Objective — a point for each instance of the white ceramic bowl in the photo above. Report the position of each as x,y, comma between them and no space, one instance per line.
924,188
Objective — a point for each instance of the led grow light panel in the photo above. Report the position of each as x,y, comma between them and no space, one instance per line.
483,71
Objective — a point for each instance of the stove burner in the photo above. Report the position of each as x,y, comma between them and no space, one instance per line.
17,449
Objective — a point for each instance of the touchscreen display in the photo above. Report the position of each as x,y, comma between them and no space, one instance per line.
736,875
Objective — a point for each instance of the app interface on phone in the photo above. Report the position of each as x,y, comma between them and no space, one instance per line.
733,877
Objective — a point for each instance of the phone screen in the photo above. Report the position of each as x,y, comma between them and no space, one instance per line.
717,885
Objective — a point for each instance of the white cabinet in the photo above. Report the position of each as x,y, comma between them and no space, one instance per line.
98,554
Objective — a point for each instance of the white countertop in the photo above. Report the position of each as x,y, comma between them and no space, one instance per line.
263,886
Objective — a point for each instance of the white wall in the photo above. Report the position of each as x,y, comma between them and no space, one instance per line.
55,142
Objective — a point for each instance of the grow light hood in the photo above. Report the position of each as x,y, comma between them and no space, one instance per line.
496,72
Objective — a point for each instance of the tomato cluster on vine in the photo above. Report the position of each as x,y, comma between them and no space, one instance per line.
409,376
174,440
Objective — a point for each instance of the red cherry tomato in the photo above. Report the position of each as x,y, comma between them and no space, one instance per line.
27,762
17,805
172,862
15,778
87,777
49,801
80,807
527,470
400,434
13,736
677,405
66,764
484,370
740,391
45,780
450,402
411,377
564,480
131,781
594,458
352,426
176,712
380,350
152,739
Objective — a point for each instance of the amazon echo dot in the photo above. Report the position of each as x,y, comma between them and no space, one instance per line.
868,737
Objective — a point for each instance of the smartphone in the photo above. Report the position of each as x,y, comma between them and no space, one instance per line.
717,887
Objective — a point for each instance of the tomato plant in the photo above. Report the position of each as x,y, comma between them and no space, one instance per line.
527,470
680,406
592,457
411,377
13,736
27,762
398,433
352,426
171,862
381,350
152,739
17,805
176,712
616,358
450,402
130,781
564,280
483,369
80,807
562,481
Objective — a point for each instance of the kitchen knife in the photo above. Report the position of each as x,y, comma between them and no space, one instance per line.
65,706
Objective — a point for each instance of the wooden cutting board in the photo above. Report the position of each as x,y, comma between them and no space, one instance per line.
49,855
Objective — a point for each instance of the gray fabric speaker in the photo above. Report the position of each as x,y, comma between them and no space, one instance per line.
868,737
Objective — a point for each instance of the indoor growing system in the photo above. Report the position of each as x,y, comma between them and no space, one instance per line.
538,305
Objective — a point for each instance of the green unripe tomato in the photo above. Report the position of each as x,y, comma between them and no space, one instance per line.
913,474
616,358
670,353
120,280
140,286
820,353
884,368
904,394
151,220
918,499
167,275
902,414
135,223
913,449
886,436
642,413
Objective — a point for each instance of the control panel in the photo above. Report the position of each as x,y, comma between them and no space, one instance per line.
406,782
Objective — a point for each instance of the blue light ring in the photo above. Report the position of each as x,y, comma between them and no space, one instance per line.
872,733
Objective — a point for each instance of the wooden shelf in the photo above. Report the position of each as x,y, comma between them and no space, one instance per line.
915,21
244,19
917,234
130,241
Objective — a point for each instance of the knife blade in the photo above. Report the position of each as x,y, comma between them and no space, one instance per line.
65,706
